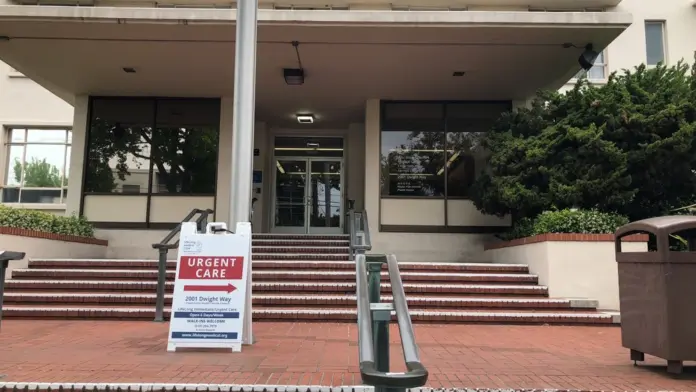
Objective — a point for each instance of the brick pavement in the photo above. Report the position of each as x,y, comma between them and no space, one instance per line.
474,356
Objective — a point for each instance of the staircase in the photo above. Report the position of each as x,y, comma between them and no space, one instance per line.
296,278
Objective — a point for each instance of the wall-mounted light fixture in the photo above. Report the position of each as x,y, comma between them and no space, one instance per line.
295,76
305,118
588,56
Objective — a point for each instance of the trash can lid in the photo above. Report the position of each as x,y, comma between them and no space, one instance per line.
668,223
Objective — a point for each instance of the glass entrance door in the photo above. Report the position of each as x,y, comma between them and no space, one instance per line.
308,196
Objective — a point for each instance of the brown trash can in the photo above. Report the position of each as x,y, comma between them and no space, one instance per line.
657,292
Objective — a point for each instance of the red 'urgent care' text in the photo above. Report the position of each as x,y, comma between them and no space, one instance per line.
217,267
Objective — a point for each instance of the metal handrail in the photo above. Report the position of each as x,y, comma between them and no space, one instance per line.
365,244
201,221
164,246
373,369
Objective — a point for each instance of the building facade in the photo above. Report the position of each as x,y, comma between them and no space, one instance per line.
383,115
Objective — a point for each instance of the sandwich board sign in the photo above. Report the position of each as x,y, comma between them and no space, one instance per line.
212,292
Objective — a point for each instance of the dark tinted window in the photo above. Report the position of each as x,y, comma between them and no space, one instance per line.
170,143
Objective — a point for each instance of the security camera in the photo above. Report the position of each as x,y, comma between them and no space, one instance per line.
587,58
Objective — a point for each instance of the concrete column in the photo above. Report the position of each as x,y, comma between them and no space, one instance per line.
244,110
77,154
372,165
355,165
260,208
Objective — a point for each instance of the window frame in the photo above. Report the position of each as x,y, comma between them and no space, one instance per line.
445,131
147,224
663,29
7,145
151,173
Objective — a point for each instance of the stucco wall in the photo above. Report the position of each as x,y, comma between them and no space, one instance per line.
572,269
628,50
132,244
36,248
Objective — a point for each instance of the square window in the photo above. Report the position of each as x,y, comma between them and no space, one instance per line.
37,165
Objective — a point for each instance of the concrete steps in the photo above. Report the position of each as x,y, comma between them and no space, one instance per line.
294,265
272,286
307,300
272,275
323,315
297,278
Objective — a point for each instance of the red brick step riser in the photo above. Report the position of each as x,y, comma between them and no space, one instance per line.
347,301
293,243
139,275
302,250
300,237
271,288
294,265
318,315
301,257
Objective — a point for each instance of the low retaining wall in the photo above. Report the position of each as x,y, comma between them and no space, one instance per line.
571,265
39,244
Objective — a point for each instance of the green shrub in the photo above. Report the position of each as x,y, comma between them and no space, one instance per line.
43,221
567,221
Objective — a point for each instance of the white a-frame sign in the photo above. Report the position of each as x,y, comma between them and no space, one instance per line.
212,293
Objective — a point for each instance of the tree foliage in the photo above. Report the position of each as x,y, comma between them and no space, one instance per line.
625,147
38,173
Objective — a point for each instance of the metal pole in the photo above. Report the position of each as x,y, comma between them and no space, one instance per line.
3,270
161,279
374,269
244,111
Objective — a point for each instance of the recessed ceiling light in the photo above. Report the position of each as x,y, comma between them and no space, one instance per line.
128,69
458,73
305,118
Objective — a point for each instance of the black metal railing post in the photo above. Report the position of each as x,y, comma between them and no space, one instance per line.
3,271
5,257
352,230
161,283
163,249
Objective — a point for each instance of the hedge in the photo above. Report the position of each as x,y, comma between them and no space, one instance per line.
45,222
567,221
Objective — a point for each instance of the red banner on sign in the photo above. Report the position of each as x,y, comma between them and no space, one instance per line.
211,267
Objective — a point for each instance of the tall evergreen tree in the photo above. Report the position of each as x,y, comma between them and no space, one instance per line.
627,147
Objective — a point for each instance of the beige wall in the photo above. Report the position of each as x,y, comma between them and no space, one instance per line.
133,244
471,5
628,50
36,248
585,270
25,103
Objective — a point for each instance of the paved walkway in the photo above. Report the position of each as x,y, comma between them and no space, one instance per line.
475,356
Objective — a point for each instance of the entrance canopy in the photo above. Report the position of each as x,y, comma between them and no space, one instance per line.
348,56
